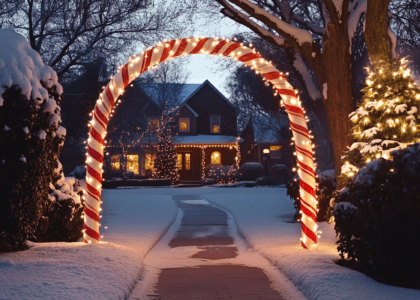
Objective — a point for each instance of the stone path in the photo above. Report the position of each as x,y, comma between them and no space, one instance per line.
202,258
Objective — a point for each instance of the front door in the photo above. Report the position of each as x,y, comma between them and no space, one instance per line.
184,165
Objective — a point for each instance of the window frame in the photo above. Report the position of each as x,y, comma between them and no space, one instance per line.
220,158
119,162
188,122
219,123
136,172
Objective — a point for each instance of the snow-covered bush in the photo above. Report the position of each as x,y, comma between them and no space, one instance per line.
30,137
280,174
250,171
378,218
63,214
79,172
222,174
326,187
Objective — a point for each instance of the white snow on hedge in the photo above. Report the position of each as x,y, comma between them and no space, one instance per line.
22,66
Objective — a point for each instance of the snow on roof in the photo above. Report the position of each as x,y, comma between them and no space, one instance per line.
204,139
187,89
22,66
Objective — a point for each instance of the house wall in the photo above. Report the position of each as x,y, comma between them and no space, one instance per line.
184,112
207,102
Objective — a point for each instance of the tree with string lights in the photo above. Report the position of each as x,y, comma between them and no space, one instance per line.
165,165
387,118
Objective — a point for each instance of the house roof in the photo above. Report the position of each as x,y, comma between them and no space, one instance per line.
186,89
205,139
213,87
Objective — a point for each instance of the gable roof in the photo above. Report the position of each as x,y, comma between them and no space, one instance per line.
186,89
207,82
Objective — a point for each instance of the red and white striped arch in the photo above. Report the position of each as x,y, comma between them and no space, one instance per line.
207,46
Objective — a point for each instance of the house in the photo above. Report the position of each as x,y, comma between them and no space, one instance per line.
206,133
269,133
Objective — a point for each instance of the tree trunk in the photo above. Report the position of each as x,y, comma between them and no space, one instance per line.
339,103
376,34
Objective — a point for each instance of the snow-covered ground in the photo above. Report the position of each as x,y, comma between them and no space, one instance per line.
137,218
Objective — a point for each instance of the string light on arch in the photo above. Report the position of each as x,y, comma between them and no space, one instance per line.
164,51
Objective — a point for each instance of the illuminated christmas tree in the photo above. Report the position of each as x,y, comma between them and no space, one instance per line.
166,159
387,118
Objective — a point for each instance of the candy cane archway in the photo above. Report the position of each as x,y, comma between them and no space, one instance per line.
182,47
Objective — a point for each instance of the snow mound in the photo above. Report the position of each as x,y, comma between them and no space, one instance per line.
22,66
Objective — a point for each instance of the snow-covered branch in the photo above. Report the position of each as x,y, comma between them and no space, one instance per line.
303,70
356,11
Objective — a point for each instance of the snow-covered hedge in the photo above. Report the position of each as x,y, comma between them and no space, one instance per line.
63,214
30,137
280,174
250,171
326,187
378,218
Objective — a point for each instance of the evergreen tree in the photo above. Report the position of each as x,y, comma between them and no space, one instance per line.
165,165
387,118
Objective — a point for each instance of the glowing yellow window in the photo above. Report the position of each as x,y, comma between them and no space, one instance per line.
274,148
179,161
184,124
215,124
216,158
115,163
187,161
149,162
133,163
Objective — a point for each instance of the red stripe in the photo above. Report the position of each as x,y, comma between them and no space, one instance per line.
231,48
306,168
307,212
95,155
146,60
93,191
125,77
271,75
303,245
294,109
181,47
99,121
249,56
93,196
307,188
304,152
91,214
310,208
218,47
167,50
199,46
96,135
286,92
100,115
95,174
109,96
299,128
310,234
92,233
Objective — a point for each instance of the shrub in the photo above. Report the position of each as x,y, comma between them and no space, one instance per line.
79,172
280,174
378,218
326,187
250,171
62,220
30,138
221,174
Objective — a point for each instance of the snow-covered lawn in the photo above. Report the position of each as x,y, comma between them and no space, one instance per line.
137,218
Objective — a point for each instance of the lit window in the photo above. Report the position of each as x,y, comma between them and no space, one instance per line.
133,163
149,162
216,158
187,161
184,124
215,124
115,163
179,161
152,124
275,151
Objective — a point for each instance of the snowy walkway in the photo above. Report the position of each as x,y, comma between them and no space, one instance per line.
202,257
